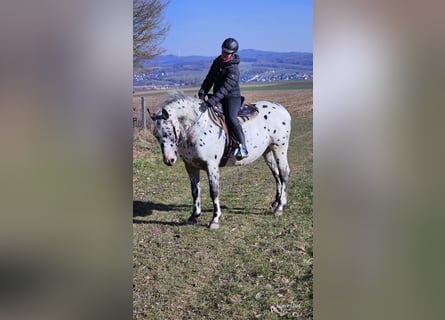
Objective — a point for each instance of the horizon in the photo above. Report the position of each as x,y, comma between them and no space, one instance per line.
266,51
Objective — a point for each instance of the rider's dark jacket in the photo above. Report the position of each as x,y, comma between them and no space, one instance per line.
224,77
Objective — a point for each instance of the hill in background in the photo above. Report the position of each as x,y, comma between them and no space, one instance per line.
255,66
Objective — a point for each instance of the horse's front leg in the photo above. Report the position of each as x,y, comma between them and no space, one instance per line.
213,174
196,193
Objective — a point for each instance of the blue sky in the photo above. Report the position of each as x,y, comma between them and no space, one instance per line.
198,27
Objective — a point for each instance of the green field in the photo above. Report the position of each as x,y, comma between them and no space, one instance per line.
256,266
287,85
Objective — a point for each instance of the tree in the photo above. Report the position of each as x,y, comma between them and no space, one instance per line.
149,29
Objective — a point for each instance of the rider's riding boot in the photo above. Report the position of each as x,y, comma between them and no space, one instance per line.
242,152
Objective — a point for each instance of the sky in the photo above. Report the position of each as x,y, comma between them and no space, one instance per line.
198,27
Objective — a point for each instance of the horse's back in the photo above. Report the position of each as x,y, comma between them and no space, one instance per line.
273,115
272,108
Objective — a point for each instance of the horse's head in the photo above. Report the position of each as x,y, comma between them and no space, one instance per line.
166,131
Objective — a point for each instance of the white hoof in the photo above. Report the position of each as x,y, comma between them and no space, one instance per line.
278,213
214,226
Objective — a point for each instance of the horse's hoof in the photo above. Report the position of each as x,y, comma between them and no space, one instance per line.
278,213
214,226
192,221
274,205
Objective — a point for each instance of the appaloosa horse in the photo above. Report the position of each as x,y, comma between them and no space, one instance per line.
184,127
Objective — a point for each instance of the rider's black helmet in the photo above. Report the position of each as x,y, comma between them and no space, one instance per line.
230,45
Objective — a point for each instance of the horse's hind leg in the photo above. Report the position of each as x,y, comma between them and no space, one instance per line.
280,154
272,164
196,193
276,159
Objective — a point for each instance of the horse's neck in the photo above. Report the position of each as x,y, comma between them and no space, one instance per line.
188,118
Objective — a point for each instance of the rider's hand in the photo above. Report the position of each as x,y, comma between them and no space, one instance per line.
211,101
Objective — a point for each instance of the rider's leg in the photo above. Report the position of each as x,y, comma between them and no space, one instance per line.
232,106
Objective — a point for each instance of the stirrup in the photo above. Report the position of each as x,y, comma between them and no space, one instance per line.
241,152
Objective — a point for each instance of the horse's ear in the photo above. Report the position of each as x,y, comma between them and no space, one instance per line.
150,114
165,114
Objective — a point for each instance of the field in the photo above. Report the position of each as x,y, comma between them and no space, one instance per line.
256,266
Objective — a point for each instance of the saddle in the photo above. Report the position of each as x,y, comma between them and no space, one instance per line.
247,112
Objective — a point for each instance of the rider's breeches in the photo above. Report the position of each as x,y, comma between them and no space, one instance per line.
231,108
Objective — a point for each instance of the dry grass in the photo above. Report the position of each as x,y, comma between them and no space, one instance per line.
298,102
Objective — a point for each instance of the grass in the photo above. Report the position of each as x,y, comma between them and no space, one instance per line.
256,266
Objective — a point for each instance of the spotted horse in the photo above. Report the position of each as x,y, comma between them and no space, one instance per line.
183,126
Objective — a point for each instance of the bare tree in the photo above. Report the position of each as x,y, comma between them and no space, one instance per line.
149,29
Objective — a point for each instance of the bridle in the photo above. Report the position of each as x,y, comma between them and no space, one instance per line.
177,140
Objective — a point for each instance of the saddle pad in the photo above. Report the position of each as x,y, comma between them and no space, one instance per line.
247,112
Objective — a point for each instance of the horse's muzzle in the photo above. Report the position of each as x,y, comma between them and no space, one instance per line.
169,161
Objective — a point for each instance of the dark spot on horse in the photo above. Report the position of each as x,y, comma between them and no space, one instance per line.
275,131
265,116
264,105
200,145
265,128
284,123
216,156
171,145
205,133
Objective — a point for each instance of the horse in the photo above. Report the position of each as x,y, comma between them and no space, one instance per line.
183,126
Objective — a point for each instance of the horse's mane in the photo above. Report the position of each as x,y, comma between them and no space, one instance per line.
175,96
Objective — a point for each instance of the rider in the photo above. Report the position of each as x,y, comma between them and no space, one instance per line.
224,77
